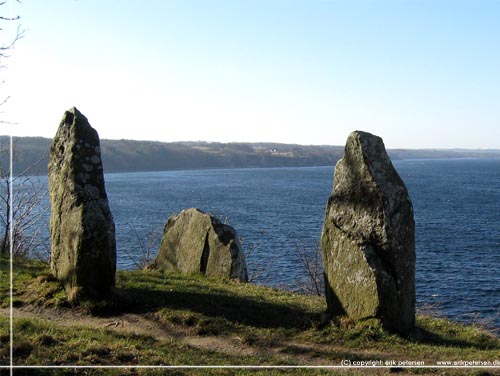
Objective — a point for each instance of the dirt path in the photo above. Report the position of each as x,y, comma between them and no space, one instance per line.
147,324
291,352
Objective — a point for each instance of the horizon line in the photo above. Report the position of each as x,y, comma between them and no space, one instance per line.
272,142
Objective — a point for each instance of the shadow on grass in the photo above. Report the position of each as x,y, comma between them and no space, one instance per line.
428,337
263,314
235,309
149,293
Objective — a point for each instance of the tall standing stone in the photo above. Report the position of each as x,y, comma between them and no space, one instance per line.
368,238
83,254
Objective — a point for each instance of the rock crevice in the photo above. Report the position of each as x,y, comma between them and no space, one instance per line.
196,242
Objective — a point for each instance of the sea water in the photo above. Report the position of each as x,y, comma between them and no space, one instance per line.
279,212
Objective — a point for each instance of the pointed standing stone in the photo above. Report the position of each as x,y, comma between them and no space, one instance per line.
83,254
368,238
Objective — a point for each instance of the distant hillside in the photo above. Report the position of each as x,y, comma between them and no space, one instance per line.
128,155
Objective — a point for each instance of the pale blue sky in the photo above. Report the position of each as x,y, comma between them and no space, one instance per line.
420,74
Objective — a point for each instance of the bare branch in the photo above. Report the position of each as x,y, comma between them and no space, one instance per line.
5,101
311,259
9,18
19,35
148,244
28,214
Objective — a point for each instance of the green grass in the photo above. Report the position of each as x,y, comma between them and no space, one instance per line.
279,327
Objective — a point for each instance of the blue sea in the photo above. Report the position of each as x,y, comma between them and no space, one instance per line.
279,210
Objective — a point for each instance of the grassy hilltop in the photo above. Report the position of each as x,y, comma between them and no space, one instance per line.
160,319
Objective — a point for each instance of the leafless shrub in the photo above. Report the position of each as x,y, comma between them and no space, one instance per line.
485,324
21,212
7,46
430,309
476,319
258,268
147,243
22,193
311,259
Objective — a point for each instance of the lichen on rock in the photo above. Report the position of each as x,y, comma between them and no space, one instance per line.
196,242
83,247
368,238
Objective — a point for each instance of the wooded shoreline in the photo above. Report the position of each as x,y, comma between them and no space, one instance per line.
135,156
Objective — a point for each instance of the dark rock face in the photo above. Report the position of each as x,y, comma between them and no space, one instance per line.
368,238
196,242
83,254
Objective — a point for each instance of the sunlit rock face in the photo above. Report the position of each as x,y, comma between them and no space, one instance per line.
83,249
368,238
196,242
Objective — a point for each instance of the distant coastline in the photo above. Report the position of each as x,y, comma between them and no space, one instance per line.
136,156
